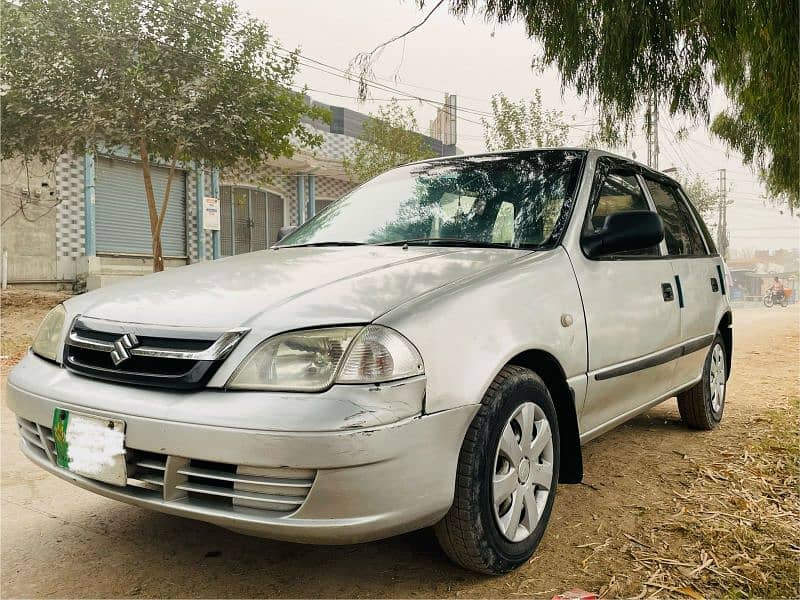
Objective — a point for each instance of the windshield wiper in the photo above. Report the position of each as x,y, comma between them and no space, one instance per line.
321,244
434,241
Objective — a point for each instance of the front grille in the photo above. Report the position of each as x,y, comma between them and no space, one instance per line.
275,492
38,437
146,470
172,357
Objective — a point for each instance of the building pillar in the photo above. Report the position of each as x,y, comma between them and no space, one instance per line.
312,196
199,193
215,244
301,198
89,246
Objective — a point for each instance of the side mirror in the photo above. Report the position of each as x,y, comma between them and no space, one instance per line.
625,231
284,231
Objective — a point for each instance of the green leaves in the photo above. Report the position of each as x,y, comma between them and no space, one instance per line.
389,139
196,75
523,124
703,195
619,52
187,80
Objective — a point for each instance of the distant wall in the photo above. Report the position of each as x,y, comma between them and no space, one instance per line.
28,205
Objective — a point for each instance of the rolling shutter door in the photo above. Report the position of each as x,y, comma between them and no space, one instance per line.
122,222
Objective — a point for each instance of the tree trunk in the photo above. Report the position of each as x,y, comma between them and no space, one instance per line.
158,256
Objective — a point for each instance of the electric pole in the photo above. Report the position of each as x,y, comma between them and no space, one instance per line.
722,215
655,132
651,130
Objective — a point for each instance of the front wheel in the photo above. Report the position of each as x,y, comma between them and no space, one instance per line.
768,301
507,476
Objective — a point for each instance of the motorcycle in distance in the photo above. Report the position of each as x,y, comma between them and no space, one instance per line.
771,298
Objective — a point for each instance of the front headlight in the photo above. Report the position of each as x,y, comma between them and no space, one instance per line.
45,344
309,361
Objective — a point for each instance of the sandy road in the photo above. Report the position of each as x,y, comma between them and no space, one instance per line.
58,540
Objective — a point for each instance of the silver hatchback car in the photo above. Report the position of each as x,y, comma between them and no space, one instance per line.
432,349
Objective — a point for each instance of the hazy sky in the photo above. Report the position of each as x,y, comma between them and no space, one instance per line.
475,60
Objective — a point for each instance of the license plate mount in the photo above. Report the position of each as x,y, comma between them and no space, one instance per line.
90,446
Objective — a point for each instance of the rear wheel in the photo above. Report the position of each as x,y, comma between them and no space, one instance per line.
507,476
701,407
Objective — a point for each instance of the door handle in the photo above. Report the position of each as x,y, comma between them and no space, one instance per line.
666,291
714,285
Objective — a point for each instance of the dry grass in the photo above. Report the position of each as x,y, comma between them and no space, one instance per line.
21,310
736,529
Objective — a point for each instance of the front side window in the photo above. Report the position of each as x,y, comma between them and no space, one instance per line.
680,232
619,192
514,200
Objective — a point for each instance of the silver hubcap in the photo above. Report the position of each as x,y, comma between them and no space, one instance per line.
523,472
716,380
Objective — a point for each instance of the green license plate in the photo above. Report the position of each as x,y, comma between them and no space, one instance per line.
90,446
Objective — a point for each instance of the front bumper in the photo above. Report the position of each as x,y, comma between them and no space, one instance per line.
341,485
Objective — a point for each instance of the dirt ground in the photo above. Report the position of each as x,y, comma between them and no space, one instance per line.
640,481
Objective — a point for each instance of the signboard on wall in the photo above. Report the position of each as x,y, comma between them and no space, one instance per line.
211,213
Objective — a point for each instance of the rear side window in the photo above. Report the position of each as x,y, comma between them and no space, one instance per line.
681,235
712,248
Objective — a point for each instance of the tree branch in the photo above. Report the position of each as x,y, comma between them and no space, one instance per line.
163,212
363,60
158,259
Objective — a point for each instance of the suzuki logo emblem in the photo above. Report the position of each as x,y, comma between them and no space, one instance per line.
121,353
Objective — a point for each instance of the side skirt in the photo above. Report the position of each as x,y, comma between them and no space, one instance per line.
597,431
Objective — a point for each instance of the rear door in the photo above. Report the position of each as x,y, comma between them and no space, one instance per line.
632,315
697,280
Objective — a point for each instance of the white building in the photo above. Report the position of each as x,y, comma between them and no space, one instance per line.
85,223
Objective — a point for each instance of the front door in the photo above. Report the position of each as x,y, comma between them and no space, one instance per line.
632,313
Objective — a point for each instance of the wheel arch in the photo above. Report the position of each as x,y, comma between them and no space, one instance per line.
726,331
546,366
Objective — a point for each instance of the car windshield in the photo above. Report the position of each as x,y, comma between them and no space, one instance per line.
513,200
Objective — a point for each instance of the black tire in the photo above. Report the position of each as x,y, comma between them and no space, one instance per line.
469,533
768,301
696,405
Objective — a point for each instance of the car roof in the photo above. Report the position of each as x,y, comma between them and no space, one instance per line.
590,152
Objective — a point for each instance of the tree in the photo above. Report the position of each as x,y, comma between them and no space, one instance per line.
706,198
523,124
703,195
388,139
166,81
619,53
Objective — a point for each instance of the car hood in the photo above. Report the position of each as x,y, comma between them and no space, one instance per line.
287,288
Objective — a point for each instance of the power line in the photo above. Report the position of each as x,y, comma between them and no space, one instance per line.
335,71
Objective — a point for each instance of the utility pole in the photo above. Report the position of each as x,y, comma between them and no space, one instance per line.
722,215
655,132
648,132
651,130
